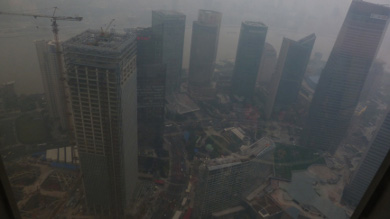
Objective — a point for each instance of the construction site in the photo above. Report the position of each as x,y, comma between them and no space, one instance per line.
43,190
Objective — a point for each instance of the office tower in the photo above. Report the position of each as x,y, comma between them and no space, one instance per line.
290,69
204,45
343,77
145,45
249,51
168,34
267,65
102,76
372,160
53,83
150,92
151,105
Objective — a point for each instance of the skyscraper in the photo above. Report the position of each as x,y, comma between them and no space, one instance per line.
150,92
53,84
362,177
102,76
168,33
343,77
267,65
204,45
290,69
249,52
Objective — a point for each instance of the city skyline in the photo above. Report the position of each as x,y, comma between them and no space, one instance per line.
151,141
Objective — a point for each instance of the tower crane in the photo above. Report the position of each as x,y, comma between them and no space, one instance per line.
53,18
105,31
55,30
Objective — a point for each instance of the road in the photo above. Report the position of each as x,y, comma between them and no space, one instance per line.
170,200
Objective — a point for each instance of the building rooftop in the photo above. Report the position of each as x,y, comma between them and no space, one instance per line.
215,165
169,13
209,11
254,23
265,206
228,211
97,39
257,149
181,104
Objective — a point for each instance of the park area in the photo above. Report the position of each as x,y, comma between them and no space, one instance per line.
31,129
288,158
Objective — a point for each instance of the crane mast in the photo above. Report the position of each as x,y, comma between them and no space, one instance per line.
60,63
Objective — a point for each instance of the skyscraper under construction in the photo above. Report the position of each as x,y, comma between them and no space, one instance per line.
101,73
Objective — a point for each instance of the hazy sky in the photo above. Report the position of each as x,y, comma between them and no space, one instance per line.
285,18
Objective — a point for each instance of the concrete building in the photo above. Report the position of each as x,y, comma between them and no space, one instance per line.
372,160
204,45
343,77
150,92
290,69
102,76
223,181
249,51
53,82
168,33
267,65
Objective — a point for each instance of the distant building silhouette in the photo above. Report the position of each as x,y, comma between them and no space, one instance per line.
204,45
249,51
343,77
267,65
8,97
168,33
53,82
102,76
290,69
372,160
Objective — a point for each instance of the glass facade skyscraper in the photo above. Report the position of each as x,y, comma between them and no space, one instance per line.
343,77
249,51
204,45
290,69
150,92
168,33
372,160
